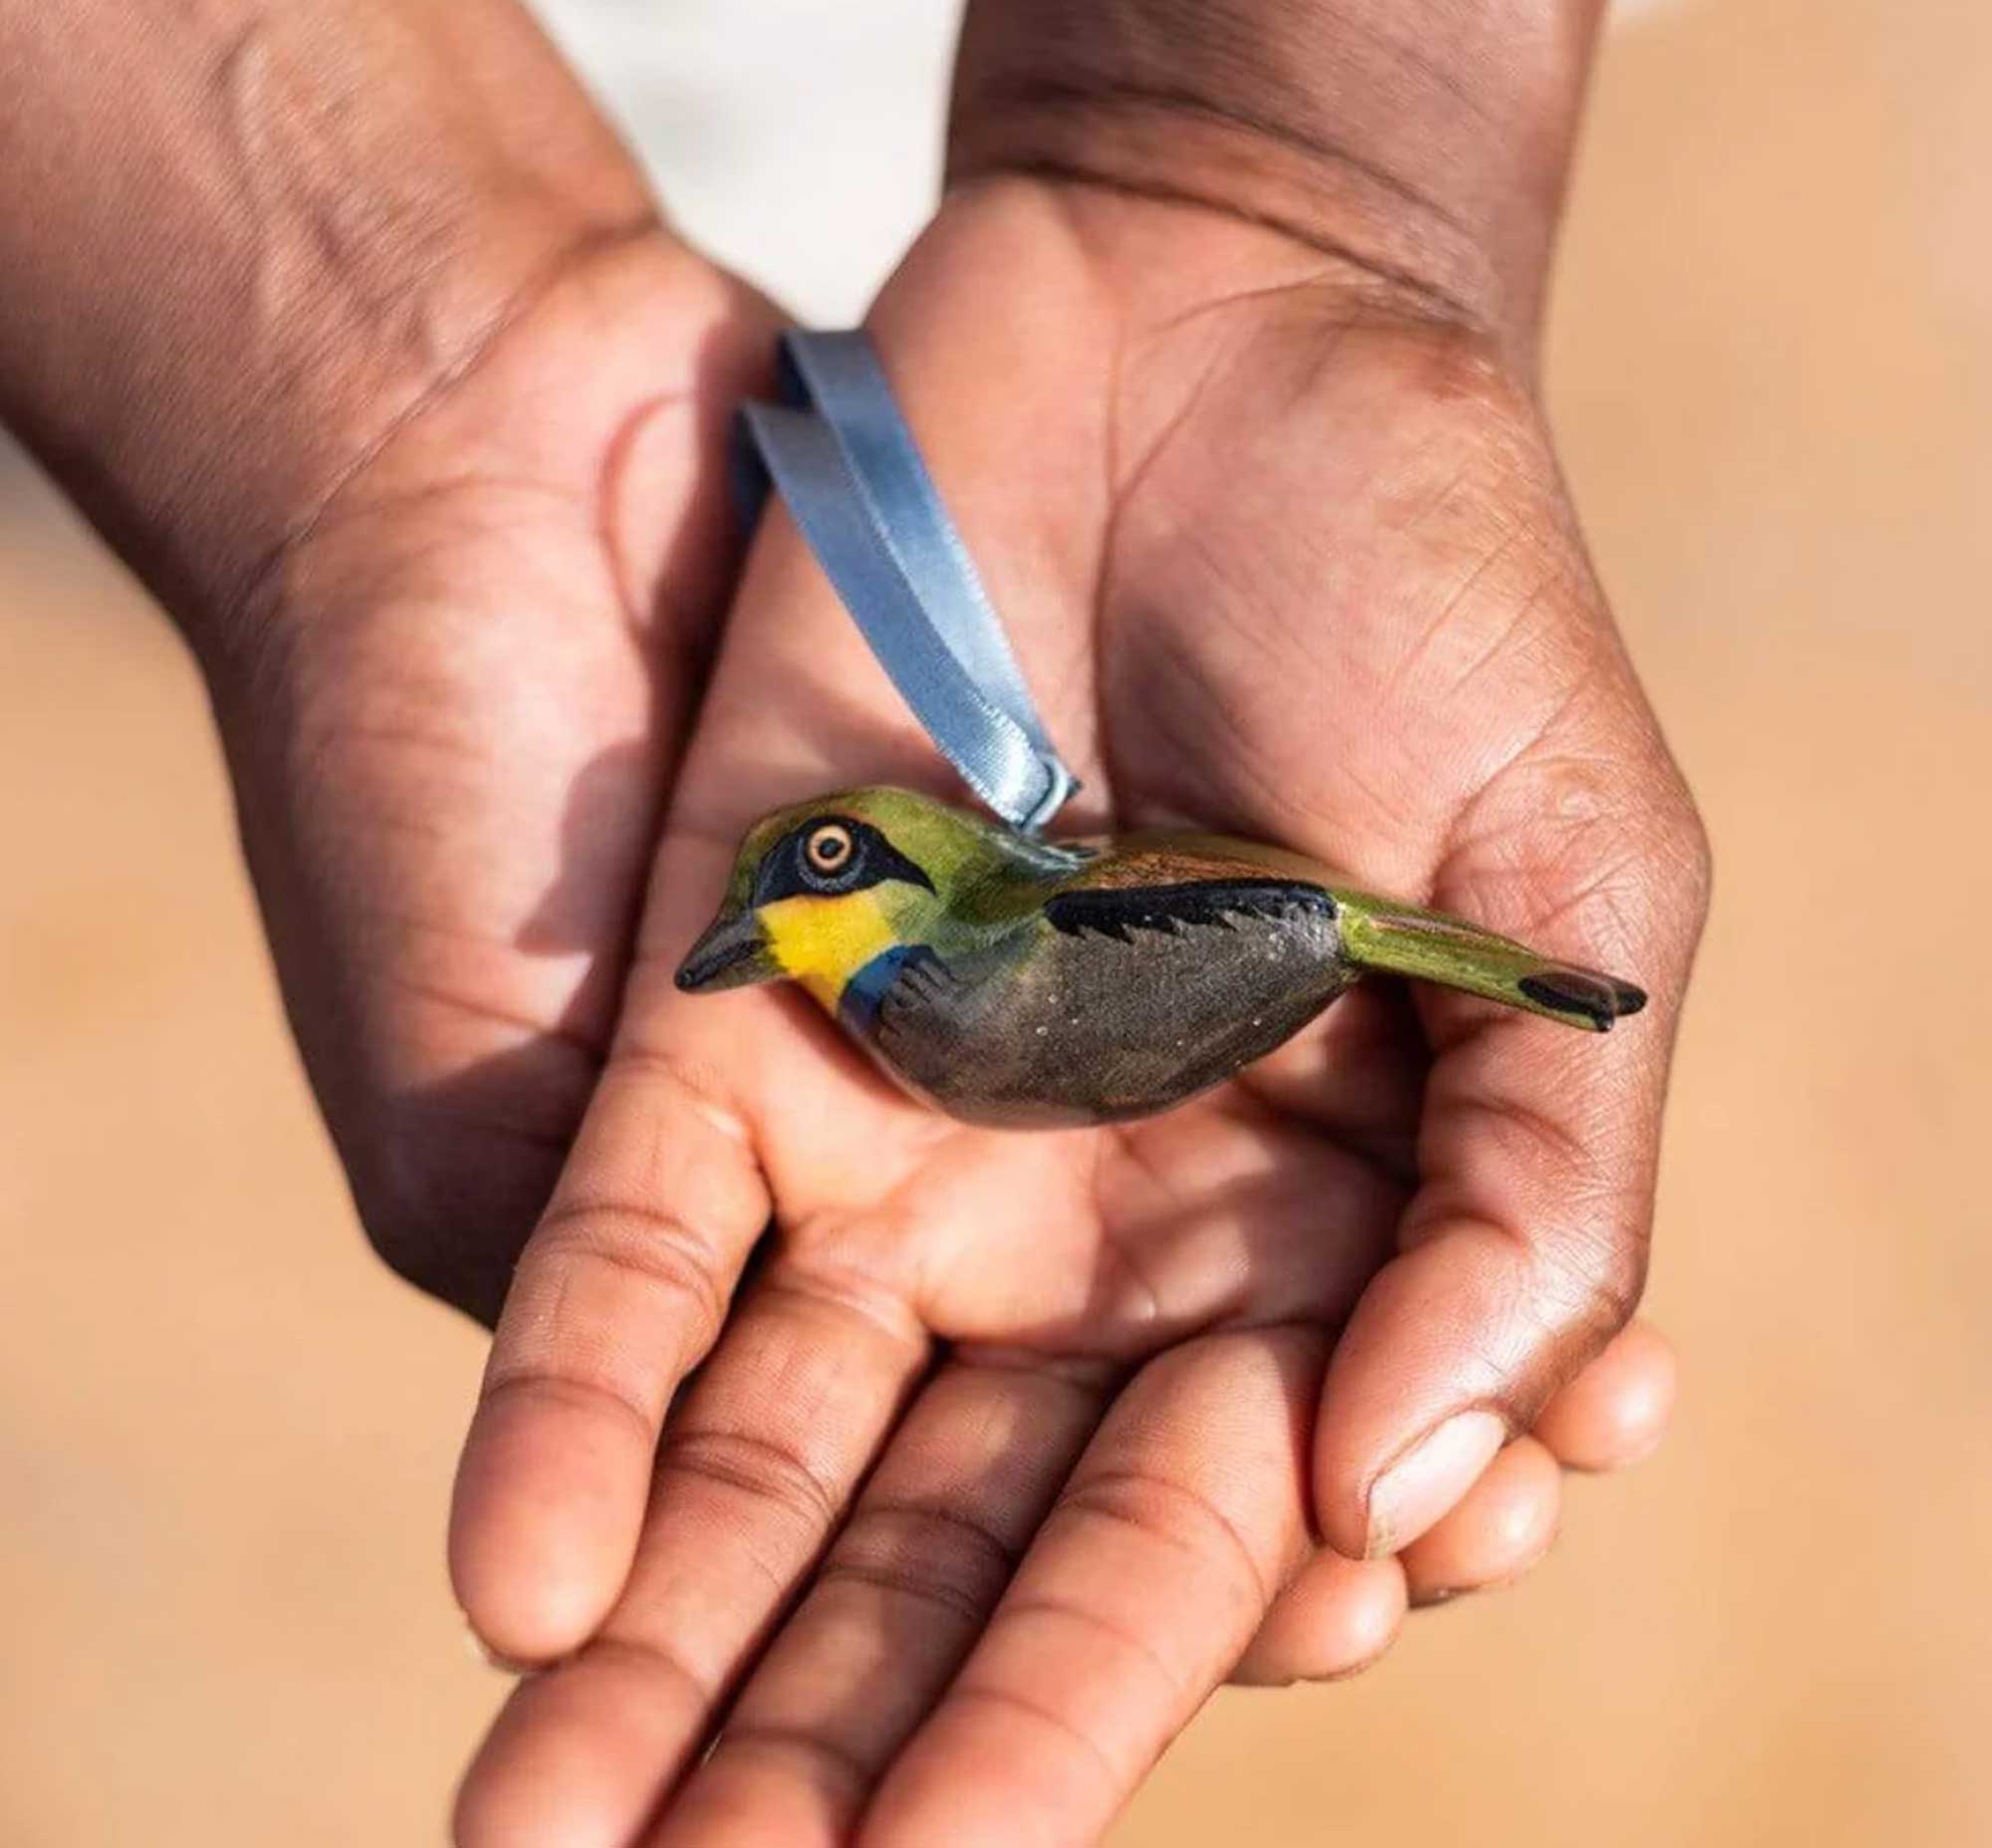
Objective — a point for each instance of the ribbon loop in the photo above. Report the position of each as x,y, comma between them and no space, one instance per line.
841,455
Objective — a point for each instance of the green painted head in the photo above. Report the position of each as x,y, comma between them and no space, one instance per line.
821,888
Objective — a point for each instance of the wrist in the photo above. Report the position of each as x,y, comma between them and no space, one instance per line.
1422,143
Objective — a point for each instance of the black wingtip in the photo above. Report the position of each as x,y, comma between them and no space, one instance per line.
1598,1000
1631,999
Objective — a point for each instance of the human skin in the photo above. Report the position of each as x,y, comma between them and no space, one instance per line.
1262,488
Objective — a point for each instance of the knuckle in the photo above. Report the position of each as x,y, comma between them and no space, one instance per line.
1618,1282
1651,807
594,1397
770,1472
644,1247
1684,835
1466,364
927,1552
818,1753
656,1659
1173,1515
1591,1278
1611,834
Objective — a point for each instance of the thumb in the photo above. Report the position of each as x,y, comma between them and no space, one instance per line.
1525,1248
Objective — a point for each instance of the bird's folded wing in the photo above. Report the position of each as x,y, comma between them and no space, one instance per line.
1118,911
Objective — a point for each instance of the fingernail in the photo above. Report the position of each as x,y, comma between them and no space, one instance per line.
1430,1477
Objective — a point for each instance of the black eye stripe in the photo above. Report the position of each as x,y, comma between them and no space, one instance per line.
792,870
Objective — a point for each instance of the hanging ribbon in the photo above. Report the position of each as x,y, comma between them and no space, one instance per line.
841,455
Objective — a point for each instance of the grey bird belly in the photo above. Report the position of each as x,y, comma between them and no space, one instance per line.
1092,1026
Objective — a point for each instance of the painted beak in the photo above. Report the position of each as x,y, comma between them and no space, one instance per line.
734,953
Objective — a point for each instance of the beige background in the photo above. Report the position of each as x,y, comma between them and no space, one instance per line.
225,1435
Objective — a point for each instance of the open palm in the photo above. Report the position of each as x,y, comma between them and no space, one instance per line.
1281,554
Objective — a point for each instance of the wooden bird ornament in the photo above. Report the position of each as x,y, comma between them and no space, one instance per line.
1017,981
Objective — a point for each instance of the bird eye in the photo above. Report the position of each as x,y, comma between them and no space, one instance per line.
828,848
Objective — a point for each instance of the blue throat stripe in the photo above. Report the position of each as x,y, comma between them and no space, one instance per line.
857,1005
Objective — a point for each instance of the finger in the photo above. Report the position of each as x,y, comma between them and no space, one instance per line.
620,1290
545,1775
1340,1615
904,1594
1143,1586
756,1468
1525,1251
1335,1618
1615,1412
1504,1526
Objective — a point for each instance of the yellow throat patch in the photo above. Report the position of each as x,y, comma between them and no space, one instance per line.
822,942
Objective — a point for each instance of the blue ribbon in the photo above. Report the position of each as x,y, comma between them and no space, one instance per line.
838,452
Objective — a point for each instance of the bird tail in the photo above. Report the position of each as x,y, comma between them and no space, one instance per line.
1400,940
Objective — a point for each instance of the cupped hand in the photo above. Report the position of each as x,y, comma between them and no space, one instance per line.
957,1492
454,725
